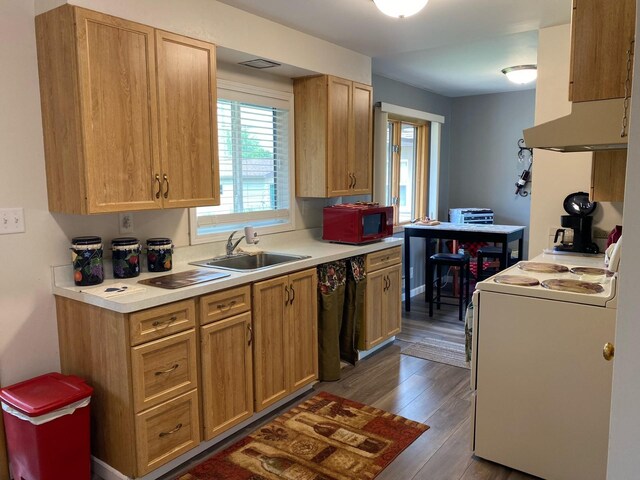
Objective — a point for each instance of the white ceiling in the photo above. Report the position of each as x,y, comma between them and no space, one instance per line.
452,47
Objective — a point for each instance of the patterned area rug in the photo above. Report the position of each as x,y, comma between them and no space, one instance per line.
325,438
438,351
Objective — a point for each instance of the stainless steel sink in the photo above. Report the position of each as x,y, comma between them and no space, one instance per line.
243,262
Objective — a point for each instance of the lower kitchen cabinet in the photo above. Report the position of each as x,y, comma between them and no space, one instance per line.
167,431
286,339
145,407
226,338
227,373
383,296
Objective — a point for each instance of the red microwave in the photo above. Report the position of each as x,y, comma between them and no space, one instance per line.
356,223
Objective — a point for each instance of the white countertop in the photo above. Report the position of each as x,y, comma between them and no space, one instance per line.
303,242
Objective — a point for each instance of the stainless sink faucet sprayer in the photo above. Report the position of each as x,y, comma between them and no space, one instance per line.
249,234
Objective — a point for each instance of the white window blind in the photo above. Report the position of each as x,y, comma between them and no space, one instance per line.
254,160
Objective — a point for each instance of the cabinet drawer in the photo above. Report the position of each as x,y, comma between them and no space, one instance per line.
167,431
161,321
163,369
383,258
225,304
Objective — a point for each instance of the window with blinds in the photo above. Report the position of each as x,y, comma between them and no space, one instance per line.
254,153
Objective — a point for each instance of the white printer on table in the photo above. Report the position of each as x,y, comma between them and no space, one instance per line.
482,216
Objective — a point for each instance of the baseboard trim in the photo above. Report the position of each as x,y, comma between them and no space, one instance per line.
417,291
107,472
365,353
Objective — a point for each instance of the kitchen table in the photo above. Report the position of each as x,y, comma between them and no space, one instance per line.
462,232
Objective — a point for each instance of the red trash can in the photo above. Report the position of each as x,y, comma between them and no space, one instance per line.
47,427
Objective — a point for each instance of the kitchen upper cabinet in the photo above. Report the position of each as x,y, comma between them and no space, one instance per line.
187,112
602,33
608,174
285,342
128,114
333,126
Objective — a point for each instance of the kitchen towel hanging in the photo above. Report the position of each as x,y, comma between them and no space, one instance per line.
331,295
352,331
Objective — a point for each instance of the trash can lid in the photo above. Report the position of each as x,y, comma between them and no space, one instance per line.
46,393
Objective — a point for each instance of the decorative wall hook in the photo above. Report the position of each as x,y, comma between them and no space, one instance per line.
524,154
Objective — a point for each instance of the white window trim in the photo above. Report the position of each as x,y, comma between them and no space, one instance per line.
233,90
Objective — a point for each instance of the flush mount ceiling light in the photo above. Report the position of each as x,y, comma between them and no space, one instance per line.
521,73
400,8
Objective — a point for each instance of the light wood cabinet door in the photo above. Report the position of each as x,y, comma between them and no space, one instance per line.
374,296
117,83
271,341
608,174
187,110
339,143
362,122
303,307
227,374
392,304
167,431
602,32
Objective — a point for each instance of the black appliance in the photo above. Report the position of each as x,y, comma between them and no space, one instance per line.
579,208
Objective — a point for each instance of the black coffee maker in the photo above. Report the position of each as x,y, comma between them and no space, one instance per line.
579,208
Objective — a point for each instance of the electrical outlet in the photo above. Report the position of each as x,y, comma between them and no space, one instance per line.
11,220
126,222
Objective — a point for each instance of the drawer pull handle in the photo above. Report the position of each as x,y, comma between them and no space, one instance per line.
226,306
168,370
250,328
286,300
293,294
168,322
164,434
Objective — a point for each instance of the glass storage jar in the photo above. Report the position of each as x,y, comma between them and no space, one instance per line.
86,256
126,257
159,254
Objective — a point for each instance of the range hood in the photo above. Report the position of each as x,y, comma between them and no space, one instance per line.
591,126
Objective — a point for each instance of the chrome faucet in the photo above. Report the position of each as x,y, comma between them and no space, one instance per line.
232,246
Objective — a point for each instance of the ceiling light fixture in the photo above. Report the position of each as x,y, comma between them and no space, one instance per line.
400,8
521,74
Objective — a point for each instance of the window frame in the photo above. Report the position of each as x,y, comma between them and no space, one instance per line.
420,192
266,97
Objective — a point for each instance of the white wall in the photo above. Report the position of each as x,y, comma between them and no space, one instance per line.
556,175
28,338
236,29
484,165
624,441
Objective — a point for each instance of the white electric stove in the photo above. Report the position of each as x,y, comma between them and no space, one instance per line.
568,278
542,387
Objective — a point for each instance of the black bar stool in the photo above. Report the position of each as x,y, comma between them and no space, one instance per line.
486,253
437,261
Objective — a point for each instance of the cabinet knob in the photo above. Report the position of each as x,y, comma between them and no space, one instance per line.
608,351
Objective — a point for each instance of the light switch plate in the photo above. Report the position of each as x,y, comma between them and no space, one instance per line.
11,220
